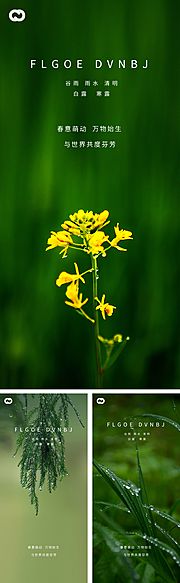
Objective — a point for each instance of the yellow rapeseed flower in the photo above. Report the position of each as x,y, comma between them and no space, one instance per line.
96,241
72,294
121,235
59,239
105,308
65,278
83,222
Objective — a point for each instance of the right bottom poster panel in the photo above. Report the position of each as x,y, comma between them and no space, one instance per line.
136,488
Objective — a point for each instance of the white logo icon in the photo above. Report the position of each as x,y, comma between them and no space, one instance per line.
100,401
8,401
17,15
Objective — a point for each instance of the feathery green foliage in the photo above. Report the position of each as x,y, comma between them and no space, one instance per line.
43,445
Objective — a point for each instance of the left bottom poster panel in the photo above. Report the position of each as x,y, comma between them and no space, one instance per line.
43,488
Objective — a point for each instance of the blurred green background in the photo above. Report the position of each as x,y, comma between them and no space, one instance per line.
159,454
44,344
62,515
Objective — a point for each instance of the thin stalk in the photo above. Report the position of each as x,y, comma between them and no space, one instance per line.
96,325
86,315
107,358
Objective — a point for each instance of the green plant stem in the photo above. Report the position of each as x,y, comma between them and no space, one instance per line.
96,326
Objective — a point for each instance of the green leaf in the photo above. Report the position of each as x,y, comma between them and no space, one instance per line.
131,496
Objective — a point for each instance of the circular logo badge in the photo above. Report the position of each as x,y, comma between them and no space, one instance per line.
100,401
17,15
8,401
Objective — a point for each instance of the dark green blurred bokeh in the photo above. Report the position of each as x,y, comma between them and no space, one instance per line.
43,343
